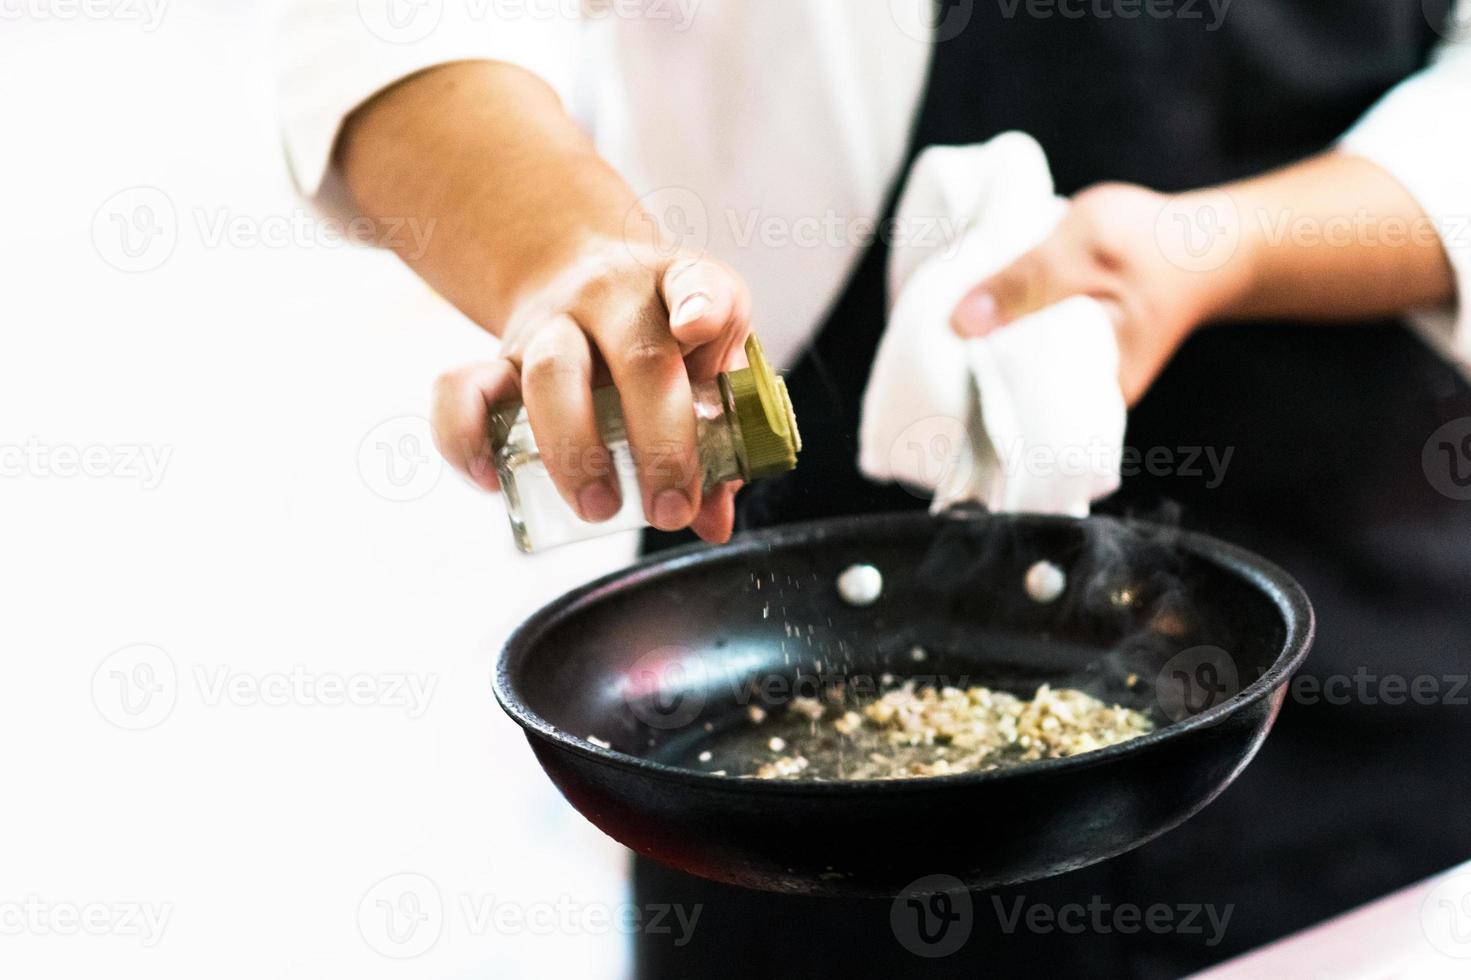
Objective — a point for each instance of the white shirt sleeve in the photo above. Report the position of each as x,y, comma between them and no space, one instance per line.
1421,133
333,55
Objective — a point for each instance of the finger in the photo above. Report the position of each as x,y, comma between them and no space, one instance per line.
716,521
720,330
658,409
1029,284
556,385
713,358
705,300
718,355
461,403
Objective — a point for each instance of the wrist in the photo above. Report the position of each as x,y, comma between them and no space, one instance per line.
1221,265
516,191
568,211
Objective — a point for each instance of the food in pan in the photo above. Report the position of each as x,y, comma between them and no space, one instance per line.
913,730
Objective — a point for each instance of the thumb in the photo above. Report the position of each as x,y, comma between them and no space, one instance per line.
461,400
1025,286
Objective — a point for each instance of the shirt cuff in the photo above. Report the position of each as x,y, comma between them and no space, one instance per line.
1418,133
332,56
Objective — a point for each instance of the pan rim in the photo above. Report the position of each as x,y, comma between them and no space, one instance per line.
1273,582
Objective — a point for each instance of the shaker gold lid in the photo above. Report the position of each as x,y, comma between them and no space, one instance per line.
764,412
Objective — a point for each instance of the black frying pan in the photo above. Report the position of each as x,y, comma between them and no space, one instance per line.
658,661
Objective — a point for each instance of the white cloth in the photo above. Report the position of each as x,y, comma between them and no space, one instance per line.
781,124
1029,418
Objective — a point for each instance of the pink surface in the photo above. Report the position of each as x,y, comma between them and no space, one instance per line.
1423,931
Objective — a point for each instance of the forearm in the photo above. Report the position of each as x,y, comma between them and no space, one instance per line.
1332,238
485,152
539,240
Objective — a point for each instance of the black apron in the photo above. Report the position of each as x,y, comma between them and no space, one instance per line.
1352,796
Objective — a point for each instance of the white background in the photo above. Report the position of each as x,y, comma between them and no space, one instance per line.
262,374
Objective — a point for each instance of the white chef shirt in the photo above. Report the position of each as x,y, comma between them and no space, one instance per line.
770,131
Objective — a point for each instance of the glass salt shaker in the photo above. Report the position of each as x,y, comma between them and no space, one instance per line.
745,430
